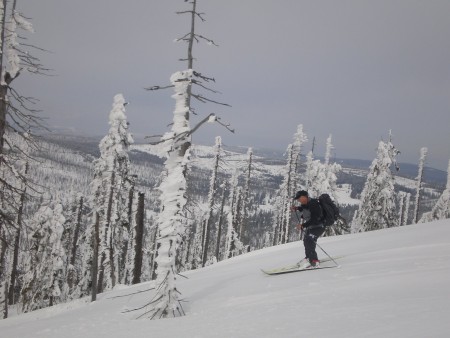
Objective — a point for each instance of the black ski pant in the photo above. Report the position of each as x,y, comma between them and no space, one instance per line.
310,239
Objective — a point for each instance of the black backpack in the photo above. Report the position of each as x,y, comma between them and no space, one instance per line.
329,209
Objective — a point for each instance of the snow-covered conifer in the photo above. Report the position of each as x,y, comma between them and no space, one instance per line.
221,221
232,242
111,190
173,199
213,184
441,210
44,281
73,227
377,209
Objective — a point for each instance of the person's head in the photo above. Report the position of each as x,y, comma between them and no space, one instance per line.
302,197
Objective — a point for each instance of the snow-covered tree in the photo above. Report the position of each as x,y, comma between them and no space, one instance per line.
17,238
213,184
329,147
423,154
111,187
233,245
86,247
221,221
4,299
290,183
73,227
245,199
172,220
138,242
17,117
44,281
406,209
321,178
377,209
441,210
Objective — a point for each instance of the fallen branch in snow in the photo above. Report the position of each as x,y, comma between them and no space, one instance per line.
131,294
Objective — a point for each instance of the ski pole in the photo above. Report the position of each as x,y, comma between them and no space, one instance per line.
327,254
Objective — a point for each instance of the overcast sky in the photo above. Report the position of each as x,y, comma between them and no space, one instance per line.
354,69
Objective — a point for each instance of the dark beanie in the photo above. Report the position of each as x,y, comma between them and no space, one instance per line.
301,193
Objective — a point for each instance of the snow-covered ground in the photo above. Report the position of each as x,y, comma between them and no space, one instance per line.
391,283
343,192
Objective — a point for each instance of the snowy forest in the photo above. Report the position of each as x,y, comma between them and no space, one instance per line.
82,216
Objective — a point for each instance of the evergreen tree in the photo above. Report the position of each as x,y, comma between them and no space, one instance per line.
44,282
377,209
233,245
111,187
441,210
213,184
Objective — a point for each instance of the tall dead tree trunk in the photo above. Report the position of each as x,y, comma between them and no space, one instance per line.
96,244
138,256
423,154
3,86
220,222
172,220
126,243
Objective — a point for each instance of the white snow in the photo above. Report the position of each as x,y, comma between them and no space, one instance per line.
391,283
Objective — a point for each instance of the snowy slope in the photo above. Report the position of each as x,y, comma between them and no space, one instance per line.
392,283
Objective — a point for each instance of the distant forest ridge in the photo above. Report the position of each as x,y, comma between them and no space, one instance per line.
89,145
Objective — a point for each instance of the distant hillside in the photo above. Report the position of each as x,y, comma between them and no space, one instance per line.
147,164
89,145
408,170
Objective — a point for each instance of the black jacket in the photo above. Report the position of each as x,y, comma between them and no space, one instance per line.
314,208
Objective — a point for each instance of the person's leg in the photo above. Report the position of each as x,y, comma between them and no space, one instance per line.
310,241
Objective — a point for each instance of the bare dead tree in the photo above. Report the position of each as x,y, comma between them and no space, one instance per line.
94,267
18,119
220,222
172,219
138,241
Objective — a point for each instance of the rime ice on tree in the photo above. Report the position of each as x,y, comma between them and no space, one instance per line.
441,209
377,209
111,187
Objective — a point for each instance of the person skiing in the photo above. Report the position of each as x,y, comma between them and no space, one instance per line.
312,226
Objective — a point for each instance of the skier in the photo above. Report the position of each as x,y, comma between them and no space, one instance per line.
312,225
